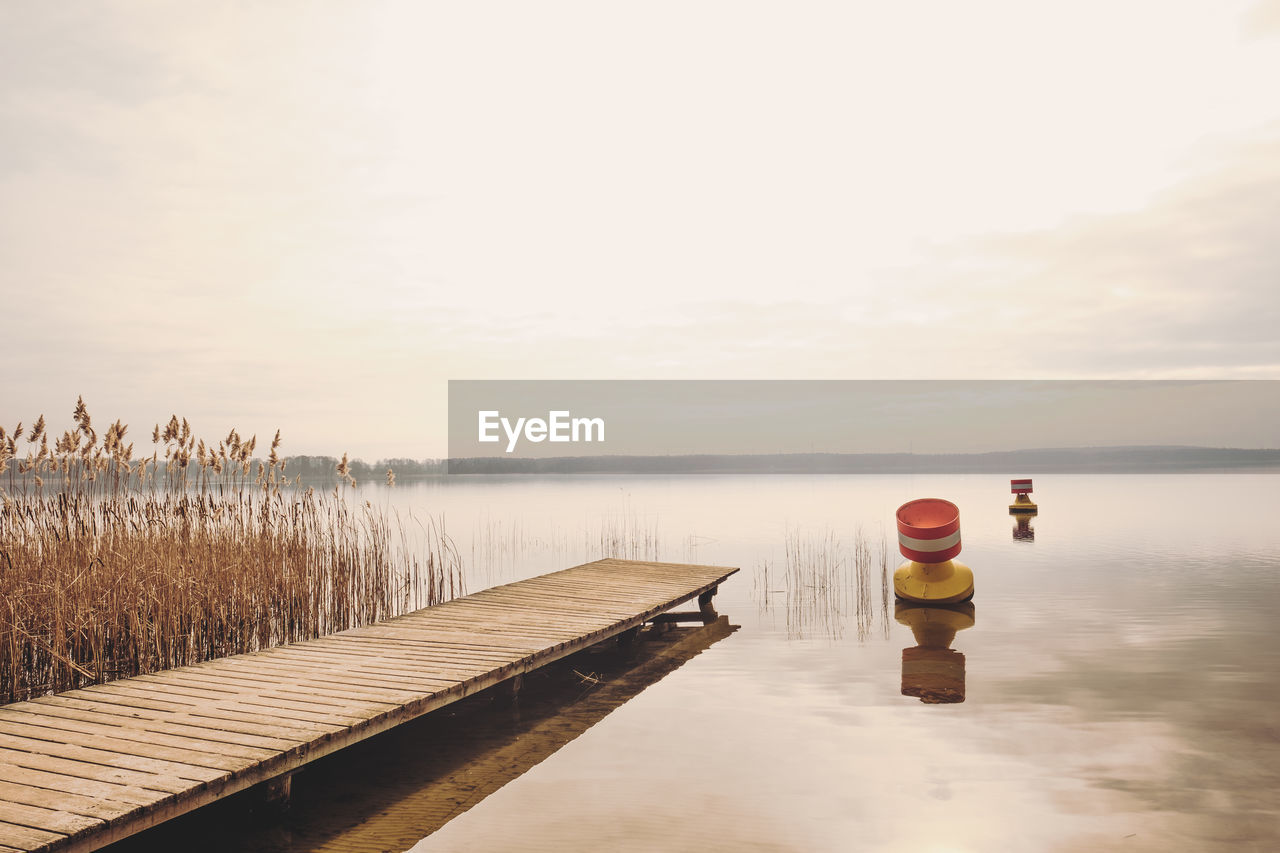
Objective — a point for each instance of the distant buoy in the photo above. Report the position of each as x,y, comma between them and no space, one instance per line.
929,536
1021,503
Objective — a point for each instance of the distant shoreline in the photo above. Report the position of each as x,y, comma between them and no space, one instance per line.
1050,460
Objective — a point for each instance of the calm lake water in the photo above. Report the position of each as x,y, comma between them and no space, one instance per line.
1119,673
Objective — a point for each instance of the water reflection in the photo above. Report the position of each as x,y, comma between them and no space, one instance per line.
827,584
1023,531
932,671
416,778
1146,719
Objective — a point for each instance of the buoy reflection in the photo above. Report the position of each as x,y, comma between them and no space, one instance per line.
1023,531
932,671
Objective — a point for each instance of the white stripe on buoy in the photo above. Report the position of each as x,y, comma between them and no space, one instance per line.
929,544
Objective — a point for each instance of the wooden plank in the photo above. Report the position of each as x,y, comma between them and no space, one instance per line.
576,590
104,809
594,580
442,634
514,607
514,624
95,726
125,692
49,820
136,695
372,635
351,680
106,792
145,748
405,649
566,620
307,668
468,635
110,758
334,707
26,838
251,682
223,699
567,615
425,671
102,773
152,720
397,655
453,635
303,668
680,616
373,660
469,625
318,660
241,681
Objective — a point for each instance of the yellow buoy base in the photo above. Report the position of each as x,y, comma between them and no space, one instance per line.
1022,504
934,583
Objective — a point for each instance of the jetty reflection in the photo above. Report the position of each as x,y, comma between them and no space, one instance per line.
396,789
932,671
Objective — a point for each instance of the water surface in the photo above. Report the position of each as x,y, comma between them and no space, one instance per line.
1118,673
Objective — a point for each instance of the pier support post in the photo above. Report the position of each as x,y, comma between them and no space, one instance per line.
507,694
628,644
705,606
276,792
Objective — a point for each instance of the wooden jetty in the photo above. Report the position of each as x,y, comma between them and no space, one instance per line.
84,768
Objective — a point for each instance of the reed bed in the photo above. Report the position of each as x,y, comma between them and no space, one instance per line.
502,551
817,586
505,550
112,565
827,582
626,536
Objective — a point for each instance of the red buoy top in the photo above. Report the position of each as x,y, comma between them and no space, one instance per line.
1020,487
929,530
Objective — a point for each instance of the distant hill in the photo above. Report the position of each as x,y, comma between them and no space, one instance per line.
1058,460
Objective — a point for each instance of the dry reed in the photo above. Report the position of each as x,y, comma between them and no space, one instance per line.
503,551
112,565
626,536
826,582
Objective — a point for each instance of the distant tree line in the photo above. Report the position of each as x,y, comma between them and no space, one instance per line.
311,470
1078,459
325,468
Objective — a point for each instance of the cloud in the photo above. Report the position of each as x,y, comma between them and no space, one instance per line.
1262,20
1184,286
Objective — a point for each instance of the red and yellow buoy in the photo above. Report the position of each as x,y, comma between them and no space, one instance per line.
1021,503
929,536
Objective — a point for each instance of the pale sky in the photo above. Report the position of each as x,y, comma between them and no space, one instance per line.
312,215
